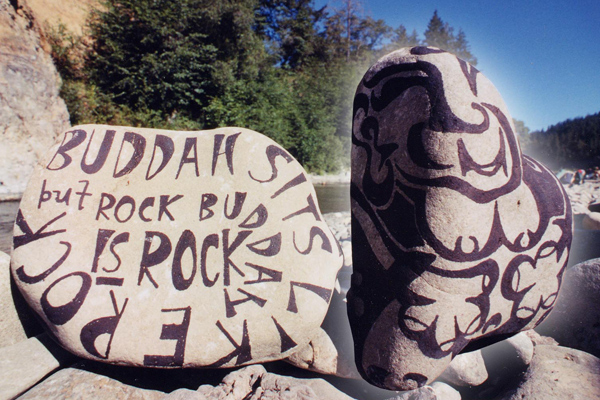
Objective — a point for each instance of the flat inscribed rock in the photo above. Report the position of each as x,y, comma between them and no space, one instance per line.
167,249
458,239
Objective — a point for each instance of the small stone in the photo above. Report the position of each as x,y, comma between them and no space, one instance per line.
422,393
559,373
523,346
594,206
445,392
466,369
72,383
459,240
159,248
538,339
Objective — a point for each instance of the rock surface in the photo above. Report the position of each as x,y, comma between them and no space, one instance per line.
457,237
559,373
32,115
575,321
169,249
583,196
437,391
23,364
255,382
72,383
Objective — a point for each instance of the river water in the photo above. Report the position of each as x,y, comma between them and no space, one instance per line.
331,197
8,212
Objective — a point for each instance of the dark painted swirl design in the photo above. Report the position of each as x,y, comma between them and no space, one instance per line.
442,199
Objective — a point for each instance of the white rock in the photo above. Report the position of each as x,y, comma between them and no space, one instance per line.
466,369
167,249
523,346
445,392
422,393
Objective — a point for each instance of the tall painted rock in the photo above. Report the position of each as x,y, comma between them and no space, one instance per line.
458,239
166,249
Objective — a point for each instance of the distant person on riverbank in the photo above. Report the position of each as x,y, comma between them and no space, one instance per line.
578,177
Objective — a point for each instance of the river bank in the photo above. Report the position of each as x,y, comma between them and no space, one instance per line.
342,177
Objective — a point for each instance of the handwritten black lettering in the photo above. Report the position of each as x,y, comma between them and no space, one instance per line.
100,326
156,257
77,137
138,142
177,332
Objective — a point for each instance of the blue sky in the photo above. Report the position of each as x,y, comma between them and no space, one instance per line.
543,56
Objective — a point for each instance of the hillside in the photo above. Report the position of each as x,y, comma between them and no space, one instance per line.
72,13
571,143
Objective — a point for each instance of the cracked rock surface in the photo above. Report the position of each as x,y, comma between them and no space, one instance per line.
32,114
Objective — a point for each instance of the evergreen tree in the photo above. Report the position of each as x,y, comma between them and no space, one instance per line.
573,143
291,26
441,35
522,133
370,35
281,67
460,47
172,56
400,38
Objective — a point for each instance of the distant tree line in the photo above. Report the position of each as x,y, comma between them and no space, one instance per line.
574,143
281,67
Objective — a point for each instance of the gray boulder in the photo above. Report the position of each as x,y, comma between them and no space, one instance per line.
574,321
558,372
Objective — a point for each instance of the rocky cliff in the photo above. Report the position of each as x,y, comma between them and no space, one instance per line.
32,114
